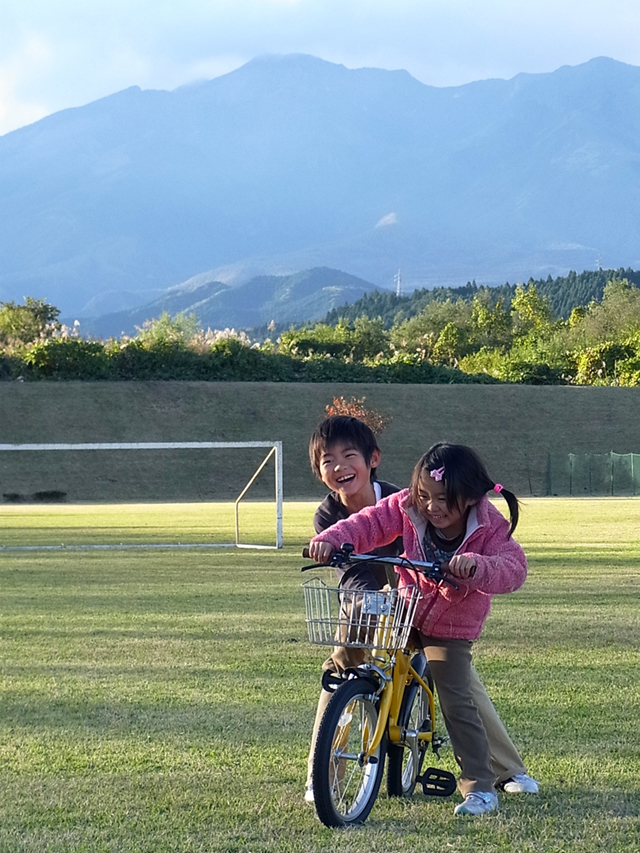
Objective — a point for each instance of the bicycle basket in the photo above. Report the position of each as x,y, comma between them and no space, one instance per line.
365,619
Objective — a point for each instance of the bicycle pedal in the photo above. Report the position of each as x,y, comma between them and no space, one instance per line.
437,783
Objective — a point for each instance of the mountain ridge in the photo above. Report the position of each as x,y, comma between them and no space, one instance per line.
306,295
289,163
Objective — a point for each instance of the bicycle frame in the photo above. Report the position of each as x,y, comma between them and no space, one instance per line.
391,700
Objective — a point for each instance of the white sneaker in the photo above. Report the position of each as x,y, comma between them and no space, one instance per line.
520,783
308,794
477,802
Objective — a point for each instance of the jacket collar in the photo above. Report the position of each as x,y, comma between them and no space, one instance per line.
473,524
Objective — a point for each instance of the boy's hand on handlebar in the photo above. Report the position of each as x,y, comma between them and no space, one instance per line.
321,552
461,566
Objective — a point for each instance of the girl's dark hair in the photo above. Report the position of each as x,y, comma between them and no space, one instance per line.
465,478
341,429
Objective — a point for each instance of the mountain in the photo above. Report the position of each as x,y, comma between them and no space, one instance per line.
291,163
303,296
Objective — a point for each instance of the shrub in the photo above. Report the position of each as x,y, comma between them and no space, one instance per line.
24,324
598,364
375,420
487,361
530,373
168,330
228,359
67,358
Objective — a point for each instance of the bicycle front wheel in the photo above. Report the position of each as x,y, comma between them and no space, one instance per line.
345,785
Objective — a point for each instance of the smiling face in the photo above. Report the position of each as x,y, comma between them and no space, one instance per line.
344,470
432,505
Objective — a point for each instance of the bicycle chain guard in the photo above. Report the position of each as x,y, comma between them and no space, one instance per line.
437,783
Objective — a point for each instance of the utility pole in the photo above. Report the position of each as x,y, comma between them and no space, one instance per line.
398,282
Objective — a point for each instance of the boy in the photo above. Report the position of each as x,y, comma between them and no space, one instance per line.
344,455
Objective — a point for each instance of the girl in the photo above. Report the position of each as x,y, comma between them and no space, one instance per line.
445,515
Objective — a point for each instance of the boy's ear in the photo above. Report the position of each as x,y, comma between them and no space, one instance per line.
375,459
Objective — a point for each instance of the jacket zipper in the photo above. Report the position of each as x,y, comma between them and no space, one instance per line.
465,541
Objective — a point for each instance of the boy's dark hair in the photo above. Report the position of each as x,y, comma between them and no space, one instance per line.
465,477
341,429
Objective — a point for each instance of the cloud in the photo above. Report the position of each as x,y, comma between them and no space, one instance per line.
386,221
30,58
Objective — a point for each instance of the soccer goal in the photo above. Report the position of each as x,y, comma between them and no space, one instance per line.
151,457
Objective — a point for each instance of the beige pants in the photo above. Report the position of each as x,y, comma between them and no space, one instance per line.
505,760
450,666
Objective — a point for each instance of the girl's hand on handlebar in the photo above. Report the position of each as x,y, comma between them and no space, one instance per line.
321,552
461,566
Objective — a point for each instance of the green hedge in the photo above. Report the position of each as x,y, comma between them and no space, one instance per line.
226,360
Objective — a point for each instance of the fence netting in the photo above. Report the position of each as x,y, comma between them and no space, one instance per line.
596,474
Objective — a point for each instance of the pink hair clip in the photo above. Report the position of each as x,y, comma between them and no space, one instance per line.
498,488
437,474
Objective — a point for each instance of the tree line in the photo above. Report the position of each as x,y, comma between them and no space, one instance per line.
563,292
470,334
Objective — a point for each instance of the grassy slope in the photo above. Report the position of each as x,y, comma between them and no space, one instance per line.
162,701
513,427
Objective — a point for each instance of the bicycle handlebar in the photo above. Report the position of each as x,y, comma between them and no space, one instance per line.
344,557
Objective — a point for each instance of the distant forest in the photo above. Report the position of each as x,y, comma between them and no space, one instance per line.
564,294
583,329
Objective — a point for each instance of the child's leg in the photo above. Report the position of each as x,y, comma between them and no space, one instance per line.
323,701
343,657
505,759
450,665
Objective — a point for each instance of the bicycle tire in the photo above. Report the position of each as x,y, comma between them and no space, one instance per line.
344,788
405,760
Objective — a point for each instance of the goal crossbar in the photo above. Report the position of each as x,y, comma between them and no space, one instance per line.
144,445
275,451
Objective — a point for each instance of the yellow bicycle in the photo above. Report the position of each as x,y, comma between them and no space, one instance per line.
381,709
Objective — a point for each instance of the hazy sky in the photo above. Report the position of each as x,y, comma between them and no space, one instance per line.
63,53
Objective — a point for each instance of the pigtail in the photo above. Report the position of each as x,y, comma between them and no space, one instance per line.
512,502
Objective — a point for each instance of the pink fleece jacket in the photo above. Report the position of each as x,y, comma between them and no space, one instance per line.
444,611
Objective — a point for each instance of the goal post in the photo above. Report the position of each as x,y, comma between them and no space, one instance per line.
274,451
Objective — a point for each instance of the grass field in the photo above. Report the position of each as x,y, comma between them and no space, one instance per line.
28,525
162,700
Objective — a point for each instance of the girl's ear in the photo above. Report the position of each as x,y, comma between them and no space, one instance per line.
467,505
375,459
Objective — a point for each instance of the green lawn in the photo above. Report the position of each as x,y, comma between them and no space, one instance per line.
162,700
132,524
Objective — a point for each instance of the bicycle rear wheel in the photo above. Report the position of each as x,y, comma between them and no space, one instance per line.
405,761
345,786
